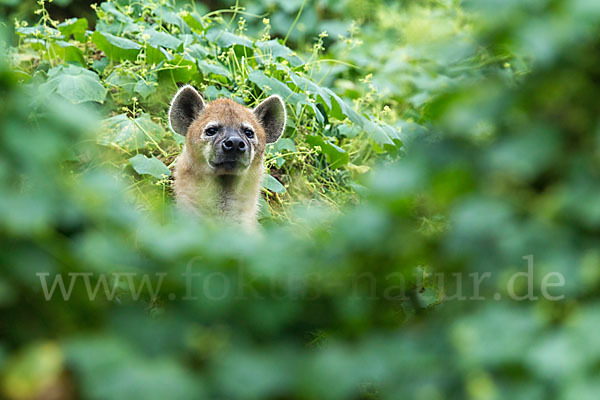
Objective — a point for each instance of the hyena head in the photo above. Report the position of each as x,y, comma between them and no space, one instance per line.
222,136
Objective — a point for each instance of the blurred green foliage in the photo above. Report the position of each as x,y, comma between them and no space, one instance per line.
478,122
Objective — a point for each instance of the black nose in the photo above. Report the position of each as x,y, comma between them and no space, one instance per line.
234,144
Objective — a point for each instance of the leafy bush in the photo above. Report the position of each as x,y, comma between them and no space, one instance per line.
139,53
500,162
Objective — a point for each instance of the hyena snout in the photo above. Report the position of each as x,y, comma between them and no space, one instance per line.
233,145
231,153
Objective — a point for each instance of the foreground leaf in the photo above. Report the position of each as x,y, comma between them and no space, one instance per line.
130,134
149,166
75,84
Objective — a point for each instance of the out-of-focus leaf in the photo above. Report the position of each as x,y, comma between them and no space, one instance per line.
276,50
227,39
75,27
163,39
34,370
75,84
130,133
68,52
149,166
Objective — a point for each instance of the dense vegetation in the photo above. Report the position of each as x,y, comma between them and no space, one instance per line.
457,138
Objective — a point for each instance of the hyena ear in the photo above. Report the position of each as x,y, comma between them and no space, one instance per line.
272,116
185,108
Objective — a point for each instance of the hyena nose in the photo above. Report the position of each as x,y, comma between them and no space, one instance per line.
234,144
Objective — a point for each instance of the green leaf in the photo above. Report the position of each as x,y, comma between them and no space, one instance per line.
193,21
336,156
273,86
179,69
197,51
284,144
75,27
277,50
212,93
341,110
226,39
263,209
278,147
145,88
273,184
116,48
149,166
214,68
163,39
67,52
306,85
154,55
130,134
122,80
76,84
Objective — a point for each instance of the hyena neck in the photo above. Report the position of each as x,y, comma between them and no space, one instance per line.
231,198
234,194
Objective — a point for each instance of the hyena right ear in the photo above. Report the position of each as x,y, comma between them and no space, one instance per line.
185,108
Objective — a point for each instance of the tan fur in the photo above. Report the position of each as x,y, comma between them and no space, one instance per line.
225,197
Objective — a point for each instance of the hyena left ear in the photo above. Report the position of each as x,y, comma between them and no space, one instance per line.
186,105
272,116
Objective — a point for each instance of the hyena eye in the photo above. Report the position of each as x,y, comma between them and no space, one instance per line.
248,132
211,131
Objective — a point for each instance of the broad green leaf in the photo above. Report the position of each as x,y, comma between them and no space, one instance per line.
342,110
75,84
348,130
277,50
154,55
145,88
149,166
38,31
75,27
212,93
110,8
272,184
167,15
100,65
306,85
179,69
226,39
67,52
377,133
130,133
122,80
213,68
283,144
263,208
197,51
193,21
336,156
163,39
273,86
279,146
116,48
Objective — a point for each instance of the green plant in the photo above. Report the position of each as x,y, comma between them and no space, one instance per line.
498,175
138,54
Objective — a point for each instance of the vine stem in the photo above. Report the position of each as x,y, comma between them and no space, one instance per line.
295,22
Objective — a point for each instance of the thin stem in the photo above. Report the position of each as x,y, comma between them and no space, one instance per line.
295,22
